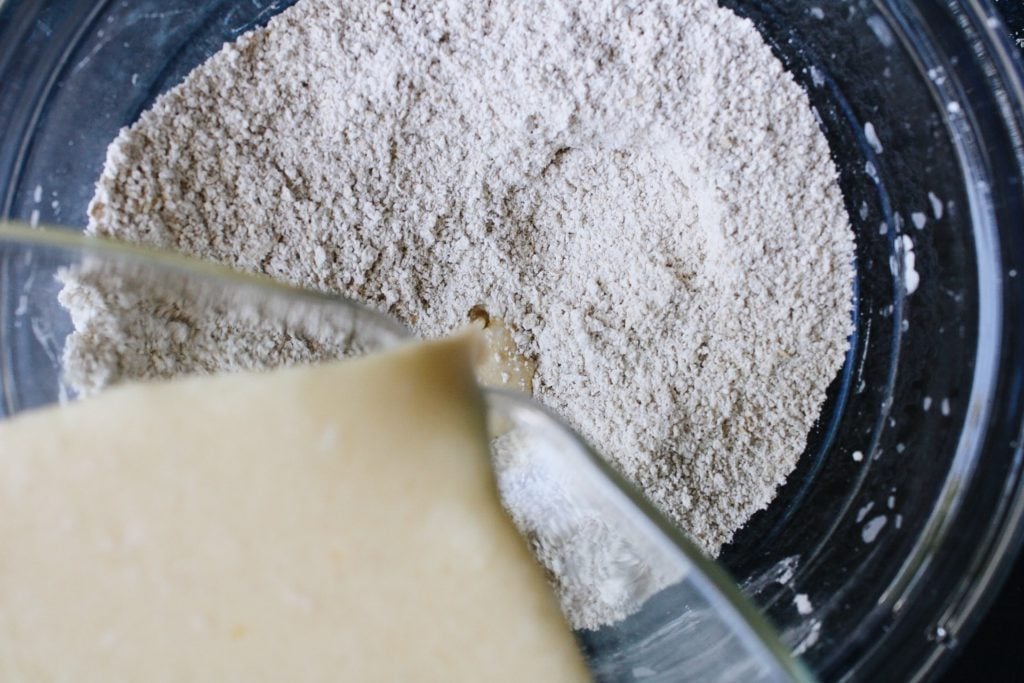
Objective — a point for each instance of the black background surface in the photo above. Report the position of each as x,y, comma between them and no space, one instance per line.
995,652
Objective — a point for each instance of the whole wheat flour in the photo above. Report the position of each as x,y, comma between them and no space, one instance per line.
641,193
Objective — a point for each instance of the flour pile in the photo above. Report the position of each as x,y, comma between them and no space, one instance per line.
642,194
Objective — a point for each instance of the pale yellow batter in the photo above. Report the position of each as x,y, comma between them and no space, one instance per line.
501,364
337,522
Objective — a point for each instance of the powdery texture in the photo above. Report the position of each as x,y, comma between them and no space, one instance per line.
642,194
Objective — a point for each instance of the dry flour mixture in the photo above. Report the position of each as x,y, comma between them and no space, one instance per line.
640,191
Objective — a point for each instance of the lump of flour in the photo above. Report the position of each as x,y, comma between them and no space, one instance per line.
642,195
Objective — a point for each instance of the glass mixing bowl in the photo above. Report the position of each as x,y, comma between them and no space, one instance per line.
890,537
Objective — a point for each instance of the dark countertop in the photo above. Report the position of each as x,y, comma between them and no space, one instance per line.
995,651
